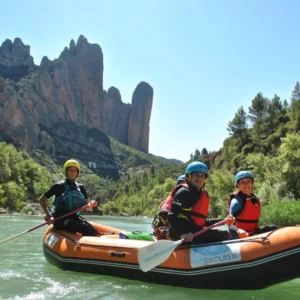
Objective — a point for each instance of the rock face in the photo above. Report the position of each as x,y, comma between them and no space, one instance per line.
61,106
138,132
16,125
15,59
115,115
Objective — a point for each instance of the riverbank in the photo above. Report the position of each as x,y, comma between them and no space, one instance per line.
36,211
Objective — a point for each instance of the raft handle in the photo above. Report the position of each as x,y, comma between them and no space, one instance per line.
117,254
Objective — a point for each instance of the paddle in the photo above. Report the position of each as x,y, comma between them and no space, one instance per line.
154,254
9,239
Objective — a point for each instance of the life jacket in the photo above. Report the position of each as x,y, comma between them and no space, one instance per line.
167,204
197,213
70,200
248,217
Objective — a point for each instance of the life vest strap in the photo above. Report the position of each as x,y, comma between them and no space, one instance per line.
195,214
246,221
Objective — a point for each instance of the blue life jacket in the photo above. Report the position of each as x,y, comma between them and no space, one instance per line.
70,200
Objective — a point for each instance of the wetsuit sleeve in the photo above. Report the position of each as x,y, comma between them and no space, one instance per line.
83,191
55,190
180,200
235,206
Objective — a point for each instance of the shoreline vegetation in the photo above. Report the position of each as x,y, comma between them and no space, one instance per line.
139,192
4,212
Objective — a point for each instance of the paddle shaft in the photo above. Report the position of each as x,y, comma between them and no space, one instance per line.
179,242
43,224
61,217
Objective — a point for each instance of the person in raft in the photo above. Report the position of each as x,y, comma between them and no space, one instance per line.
189,208
160,222
246,207
180,179
69,196
166,204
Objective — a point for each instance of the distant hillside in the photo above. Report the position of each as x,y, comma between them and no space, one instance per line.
126,157
173,160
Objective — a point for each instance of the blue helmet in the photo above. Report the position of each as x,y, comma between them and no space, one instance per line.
196,166
180,178
243,174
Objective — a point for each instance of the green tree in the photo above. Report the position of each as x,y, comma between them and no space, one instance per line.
257,115
21,178
197,154
294,112
257,110
296,92
238,126
274,114
290,155
204,152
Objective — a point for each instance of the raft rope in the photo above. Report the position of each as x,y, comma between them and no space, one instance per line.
258,239
79,243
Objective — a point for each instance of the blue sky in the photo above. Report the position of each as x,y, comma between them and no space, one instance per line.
204,59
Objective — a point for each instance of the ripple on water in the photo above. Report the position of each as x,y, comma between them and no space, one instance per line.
36,286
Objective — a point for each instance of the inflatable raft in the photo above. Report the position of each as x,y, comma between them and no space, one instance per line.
252,263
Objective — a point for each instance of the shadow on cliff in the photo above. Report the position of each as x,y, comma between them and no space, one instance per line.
91,146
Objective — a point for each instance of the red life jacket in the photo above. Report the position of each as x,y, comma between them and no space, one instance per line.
167,204
198,213
248,217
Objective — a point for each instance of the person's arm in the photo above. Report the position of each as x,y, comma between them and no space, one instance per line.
233,228
56,190
235,206
44,206
91,203
179,202
43,202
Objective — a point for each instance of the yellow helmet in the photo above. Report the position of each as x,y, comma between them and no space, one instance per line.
71,163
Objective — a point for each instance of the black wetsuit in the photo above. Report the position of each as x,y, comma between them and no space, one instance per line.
187,198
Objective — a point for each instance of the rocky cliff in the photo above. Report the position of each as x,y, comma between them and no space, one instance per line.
62,108
15,59
138,133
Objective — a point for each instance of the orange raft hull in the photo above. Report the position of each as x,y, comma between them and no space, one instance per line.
250,263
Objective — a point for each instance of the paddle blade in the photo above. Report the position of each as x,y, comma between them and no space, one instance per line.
154,254
12,238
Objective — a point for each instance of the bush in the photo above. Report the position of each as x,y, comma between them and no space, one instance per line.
283,213
27,210
20,176
219,185
267,194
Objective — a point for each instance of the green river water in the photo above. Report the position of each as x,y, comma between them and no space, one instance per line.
25,273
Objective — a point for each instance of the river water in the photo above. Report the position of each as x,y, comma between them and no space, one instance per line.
25,273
